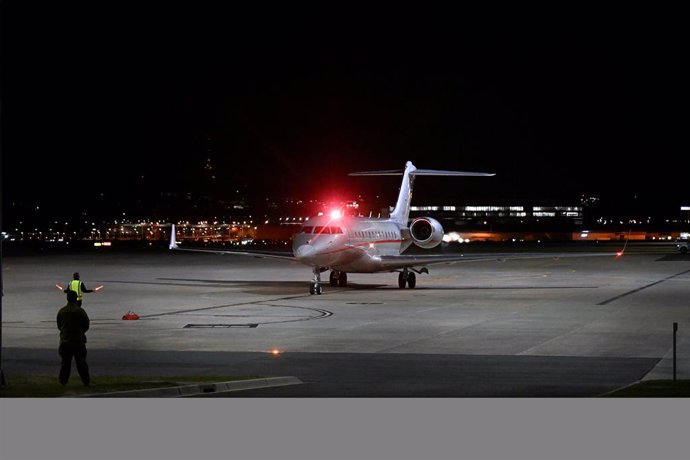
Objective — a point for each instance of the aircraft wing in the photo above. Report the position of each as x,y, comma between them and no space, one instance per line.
392,262
259,254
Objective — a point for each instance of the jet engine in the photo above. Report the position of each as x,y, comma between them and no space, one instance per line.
426,232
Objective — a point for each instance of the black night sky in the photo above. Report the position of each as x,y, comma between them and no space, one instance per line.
128,101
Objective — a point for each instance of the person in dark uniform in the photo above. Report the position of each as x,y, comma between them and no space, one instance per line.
77,286
73,322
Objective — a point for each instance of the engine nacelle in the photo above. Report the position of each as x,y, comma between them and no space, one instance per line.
426,232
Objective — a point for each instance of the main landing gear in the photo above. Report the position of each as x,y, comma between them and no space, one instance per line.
407,277
338,278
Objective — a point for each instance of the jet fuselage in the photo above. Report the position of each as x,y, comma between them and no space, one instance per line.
348,244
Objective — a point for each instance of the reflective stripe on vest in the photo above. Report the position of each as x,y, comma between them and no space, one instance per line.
75,285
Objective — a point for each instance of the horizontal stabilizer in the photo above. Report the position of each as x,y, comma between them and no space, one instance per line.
422,172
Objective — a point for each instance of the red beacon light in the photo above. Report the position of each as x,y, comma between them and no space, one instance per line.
336,214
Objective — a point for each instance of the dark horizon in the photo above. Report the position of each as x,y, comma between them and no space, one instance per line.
131,103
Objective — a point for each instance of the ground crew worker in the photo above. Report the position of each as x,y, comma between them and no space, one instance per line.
73,322
77,286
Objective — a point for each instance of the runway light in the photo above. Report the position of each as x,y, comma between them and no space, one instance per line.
336,214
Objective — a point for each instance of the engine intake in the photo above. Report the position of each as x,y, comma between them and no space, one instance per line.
426,232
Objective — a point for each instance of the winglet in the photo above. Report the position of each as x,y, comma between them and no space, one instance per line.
173,243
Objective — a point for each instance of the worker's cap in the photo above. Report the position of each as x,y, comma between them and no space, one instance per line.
75,275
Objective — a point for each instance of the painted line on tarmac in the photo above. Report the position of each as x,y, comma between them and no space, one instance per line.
199,389
613,299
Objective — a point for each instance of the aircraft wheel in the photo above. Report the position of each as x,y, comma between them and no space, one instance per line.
333,279
312,288
411,280
318,289
401,280
683,250
342,279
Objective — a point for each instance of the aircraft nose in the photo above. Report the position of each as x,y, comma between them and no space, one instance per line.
304,251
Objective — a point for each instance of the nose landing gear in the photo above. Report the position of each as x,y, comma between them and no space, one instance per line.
314,288
315,285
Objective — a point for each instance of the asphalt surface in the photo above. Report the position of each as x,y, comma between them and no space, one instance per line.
536,328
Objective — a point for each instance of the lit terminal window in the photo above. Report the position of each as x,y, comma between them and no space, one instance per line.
493,208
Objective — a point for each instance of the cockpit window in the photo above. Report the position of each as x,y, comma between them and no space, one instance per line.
325,230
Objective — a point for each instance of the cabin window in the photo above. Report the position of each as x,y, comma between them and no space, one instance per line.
335,230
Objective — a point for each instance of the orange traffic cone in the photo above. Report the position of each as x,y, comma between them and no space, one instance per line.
130,316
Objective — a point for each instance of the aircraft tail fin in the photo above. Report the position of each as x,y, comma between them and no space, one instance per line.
401,212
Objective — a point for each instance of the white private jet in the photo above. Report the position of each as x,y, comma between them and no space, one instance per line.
345,244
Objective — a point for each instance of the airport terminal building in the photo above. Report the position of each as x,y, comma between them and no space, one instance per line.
496,220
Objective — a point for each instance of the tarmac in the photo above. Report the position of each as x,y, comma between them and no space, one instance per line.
199,389
575,327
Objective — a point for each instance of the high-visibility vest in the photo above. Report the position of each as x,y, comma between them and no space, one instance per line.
75,285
